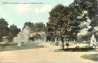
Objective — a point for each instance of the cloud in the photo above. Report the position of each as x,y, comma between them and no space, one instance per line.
24,8
43,8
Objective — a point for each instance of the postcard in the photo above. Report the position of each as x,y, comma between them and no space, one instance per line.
48,31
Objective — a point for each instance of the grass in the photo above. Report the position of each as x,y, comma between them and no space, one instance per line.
93,57
82,48
75,49
14,47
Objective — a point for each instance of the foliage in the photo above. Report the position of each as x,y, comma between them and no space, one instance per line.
92,7
9,32
28,24
35,26
13,31
63,22
66,21
39,27
4,30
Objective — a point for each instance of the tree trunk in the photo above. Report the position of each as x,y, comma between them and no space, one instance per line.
62,40
63,45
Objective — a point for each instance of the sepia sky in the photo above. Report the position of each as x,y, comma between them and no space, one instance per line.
16,12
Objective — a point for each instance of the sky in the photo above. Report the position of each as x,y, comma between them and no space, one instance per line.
33,11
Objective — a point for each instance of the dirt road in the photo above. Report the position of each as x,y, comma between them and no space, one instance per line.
42,55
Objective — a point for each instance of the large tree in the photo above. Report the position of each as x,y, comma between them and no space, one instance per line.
87,14
68,21
91,6
62,24
79,18
13,31
4,30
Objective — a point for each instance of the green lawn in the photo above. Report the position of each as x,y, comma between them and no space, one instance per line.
14,47
93,57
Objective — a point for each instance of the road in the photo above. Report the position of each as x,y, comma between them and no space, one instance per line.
42,55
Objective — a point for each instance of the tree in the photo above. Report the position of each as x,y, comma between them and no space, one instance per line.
4,30
39,27
69,21
59,23
35,27
78,17
30,24
14,30
86,9
91,6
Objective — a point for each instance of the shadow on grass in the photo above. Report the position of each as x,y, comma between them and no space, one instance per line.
75,50
93,57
